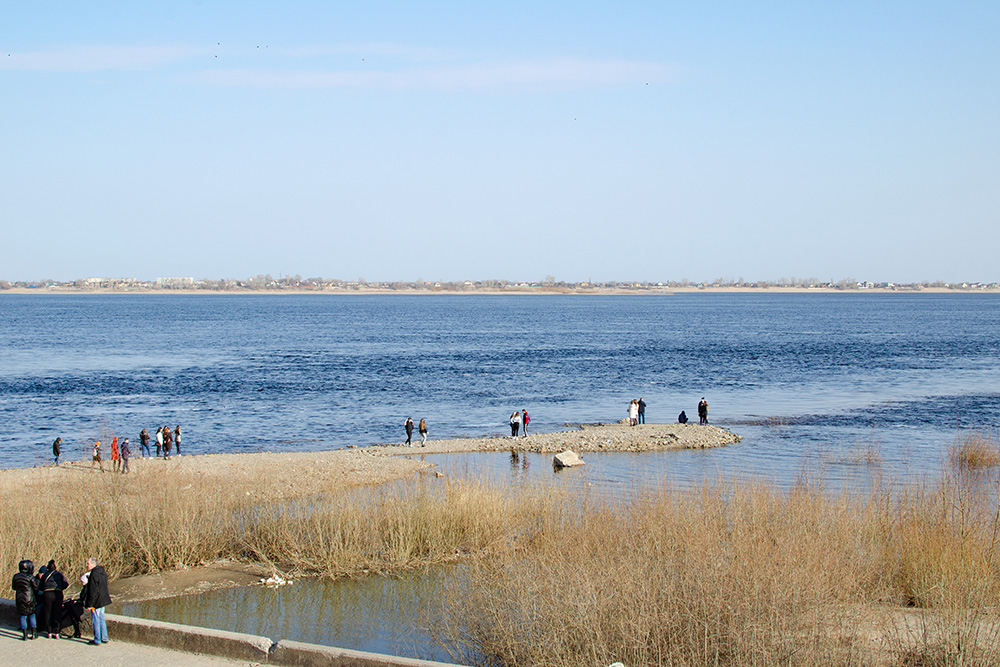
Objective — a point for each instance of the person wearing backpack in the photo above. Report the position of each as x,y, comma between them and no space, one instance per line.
52,583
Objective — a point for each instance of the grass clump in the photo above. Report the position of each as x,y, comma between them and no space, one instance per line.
975,451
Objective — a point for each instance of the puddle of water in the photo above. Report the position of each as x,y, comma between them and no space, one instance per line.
378,614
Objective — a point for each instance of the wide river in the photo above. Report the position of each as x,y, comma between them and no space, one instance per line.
811,381
793,373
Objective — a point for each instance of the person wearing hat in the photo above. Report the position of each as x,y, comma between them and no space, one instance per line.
25,589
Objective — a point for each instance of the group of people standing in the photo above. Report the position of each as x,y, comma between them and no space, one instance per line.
119,454
682,418
422,429
166,441
637,412
39,600
519,422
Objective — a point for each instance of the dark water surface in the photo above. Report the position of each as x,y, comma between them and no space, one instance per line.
807,379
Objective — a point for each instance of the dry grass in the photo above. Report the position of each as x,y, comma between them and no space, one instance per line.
162,518
724,575
741,575
975,451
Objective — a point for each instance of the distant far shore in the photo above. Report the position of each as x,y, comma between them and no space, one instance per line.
538,291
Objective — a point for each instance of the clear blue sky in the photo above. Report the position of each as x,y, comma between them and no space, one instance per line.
453,140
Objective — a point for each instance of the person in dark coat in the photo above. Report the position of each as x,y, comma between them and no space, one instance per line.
52,583
57,450
126,454
177,439
408,425
168,441
703,411
682,418
97,599
144,443
25,589
642,411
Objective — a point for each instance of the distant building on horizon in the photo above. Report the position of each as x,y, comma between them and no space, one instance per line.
174,282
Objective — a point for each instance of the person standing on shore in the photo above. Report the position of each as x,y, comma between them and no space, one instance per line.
159,441
525,419
702,411
52,584
515,423
633,412
116,463
177,439
96,456
25,589
143,442
408,426
422,428
126,453
168,441
57,450
97,599
642,411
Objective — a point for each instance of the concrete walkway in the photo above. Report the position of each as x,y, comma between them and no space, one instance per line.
43,652
136,641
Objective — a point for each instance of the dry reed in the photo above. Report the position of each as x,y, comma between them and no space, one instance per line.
741,575
731,574
975,451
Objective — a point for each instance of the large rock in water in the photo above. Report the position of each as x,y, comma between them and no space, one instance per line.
566,459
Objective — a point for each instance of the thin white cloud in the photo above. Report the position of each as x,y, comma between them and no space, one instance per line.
569,73
98,58
403,51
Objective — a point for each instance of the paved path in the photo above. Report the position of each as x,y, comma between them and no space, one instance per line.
43,652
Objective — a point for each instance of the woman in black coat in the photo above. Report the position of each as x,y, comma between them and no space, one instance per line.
52,584
26,597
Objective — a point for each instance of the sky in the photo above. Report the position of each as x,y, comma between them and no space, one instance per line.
602,141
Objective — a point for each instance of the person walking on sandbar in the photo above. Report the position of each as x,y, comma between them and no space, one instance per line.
96,456
422,428
408,425
57,450
126,452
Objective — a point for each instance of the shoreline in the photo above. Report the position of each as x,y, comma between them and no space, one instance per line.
519,291
293,475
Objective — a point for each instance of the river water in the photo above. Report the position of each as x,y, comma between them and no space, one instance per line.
806,379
